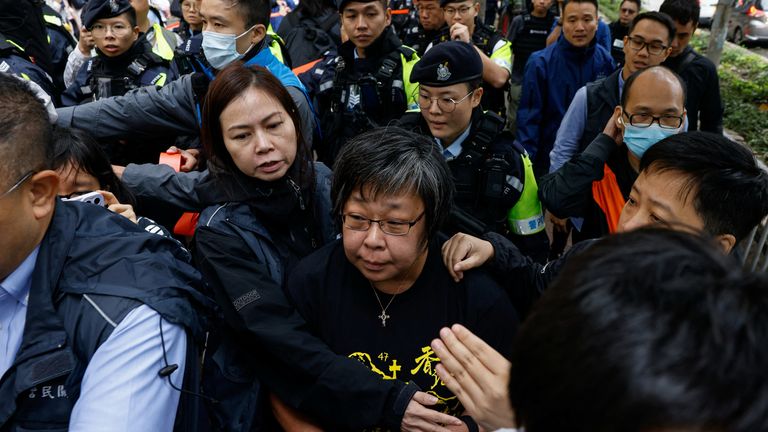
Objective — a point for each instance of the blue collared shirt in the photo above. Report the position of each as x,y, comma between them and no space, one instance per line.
14,292
120,390
454,150
572,128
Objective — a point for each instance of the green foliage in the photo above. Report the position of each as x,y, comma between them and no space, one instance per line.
744,88
609,9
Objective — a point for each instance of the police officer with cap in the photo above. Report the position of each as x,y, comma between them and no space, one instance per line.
124,59
495,186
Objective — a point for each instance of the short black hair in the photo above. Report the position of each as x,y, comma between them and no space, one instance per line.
682,11
83,152
254,11
645,330
728,188
660,18
631,81
637,2
594,2
25,130
391,160
474,84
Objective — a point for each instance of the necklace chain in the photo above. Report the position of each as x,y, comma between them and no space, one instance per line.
383,317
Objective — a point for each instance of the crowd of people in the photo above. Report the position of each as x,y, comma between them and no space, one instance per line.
367,215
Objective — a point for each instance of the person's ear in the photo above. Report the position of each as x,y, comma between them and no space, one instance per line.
258,33
477,96
388,12
476,7
136,30
726,242
43,189
617,112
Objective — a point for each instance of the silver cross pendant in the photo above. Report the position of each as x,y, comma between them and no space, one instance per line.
383,317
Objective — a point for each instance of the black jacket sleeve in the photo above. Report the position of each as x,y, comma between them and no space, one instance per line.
298,367
522,272
567,191
710,104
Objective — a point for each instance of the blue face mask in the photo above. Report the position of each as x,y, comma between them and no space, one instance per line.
221,49
638,139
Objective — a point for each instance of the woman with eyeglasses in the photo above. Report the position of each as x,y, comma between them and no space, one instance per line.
380,294
274,209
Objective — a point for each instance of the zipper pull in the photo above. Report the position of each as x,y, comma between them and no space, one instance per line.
297,189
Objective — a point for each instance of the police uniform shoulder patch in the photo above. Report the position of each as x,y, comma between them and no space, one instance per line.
4,66
443,74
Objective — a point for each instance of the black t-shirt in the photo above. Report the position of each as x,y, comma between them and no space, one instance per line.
340,307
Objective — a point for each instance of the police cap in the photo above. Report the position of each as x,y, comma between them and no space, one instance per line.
98,9
342,3
448,63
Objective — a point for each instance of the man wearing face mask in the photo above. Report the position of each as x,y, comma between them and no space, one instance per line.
595,184
232,30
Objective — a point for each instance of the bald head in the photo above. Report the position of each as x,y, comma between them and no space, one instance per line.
656,83
25,131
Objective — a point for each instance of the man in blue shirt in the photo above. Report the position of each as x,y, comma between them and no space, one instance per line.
94,312
552,76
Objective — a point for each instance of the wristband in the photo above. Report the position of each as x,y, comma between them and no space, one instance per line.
470,422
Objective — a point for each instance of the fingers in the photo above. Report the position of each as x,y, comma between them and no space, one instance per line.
455,250
172,150
457,369
109,197
489,357
419,418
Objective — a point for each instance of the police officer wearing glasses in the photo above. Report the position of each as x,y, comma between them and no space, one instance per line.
495,186
124,59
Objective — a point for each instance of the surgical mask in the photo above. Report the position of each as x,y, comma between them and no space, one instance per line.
639,140
221,49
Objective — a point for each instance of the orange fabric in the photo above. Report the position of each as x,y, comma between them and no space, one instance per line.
401,12
608,196
186,224
305,67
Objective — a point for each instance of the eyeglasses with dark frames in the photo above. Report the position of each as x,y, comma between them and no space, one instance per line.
654,48
16,185
642,120
392,227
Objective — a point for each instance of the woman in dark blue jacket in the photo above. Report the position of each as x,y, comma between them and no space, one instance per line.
274,210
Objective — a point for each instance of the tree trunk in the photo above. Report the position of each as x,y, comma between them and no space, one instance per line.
719,31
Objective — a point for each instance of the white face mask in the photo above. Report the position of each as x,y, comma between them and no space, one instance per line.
221,49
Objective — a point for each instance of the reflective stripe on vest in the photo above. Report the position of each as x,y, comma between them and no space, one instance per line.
527,217
608,196
161,46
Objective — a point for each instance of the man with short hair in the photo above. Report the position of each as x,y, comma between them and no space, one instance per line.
234,30
658,328
527,34
552,76
693,181
495,187
628,10
704,105
368,84
94,338
431,23
463,23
